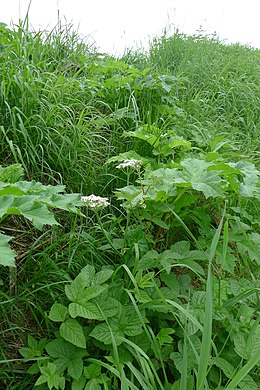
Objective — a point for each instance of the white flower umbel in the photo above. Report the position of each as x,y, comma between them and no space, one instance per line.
135,164
95,202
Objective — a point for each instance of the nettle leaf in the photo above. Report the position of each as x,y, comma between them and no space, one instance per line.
86,310
66,356
58,312
177,357
127,321
7,254
72,331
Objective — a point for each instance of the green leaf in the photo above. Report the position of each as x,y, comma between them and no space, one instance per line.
6,204
72,331
225,366
58,312
108,306
103,275
84,279
151,134
79,384
86,310
240,346
7,254
93,384
196,172
11,173
92,371
242,374
106,334
66,356
34,349
49,374
164,336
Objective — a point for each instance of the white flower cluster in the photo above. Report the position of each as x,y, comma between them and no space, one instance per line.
95,202
130,163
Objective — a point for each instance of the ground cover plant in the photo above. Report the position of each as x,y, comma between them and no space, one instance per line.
153,282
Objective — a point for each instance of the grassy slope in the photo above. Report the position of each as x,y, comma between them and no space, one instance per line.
59,114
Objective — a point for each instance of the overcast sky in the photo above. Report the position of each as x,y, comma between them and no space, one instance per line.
115,24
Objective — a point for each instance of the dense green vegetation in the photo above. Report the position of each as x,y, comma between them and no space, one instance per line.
153,282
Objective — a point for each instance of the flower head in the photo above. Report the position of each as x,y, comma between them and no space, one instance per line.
130,163
95,202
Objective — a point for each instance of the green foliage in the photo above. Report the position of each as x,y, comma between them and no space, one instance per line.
30,200
160,290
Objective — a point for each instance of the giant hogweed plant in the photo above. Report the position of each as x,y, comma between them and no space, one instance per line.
171,314
31,200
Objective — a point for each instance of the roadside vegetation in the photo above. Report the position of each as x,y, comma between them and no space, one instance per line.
129,214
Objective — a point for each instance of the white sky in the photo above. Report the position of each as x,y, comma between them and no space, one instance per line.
116,24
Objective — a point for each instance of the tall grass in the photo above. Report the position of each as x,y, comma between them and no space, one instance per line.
221,94
63,111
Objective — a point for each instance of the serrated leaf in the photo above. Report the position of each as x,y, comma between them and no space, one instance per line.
84,279
92,371
102,333
67,356
86,310
240,346
7,254
58,312
103,275
93,384
50,375
79,384
247,383
72,331
225,366
108,306
196,172
164,336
